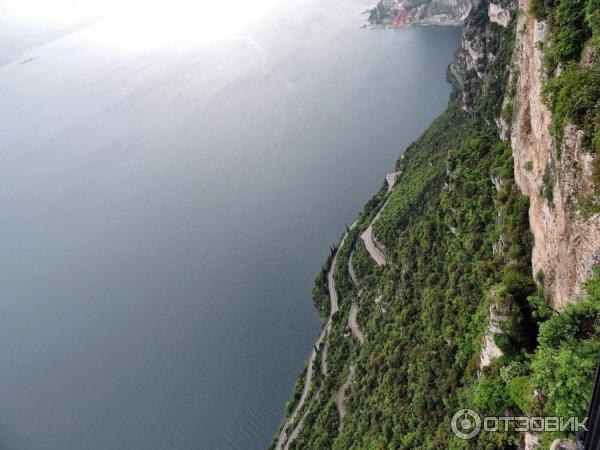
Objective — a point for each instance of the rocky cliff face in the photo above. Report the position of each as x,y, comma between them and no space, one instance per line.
555,176
499,15
444,12
490,349
480,45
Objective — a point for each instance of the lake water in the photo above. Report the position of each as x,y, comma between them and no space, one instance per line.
164,210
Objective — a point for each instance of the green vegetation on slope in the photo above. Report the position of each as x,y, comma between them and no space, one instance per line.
573,89
457,237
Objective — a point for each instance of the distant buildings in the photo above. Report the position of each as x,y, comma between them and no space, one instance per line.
395,13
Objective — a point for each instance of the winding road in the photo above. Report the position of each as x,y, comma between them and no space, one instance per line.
333,308
333,297
284,441
372,248
353,324
353,274
340,397
307,385
324,356
296,430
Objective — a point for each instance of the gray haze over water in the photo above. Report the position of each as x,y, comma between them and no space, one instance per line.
165,209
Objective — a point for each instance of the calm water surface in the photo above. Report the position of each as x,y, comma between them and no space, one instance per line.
164,210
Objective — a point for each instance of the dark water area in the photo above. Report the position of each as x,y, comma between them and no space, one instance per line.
163,214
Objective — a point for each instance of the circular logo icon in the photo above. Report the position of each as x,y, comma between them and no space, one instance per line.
466,424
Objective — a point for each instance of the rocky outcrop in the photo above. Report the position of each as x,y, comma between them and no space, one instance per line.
499,246
445,12
391,179
481,41
530,441
563,444
489,349
567,244
499,15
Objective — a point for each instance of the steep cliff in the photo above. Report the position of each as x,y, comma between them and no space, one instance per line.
458,313
554,175
444,12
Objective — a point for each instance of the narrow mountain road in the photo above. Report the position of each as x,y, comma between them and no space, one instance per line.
353,324
284,441
372,248
296,430
375,252
333,308
307,384
333,297
324,356
353,274
340,397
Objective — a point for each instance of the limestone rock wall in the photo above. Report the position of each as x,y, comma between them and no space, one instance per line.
567,244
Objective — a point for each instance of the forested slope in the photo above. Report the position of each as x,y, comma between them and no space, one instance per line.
457,318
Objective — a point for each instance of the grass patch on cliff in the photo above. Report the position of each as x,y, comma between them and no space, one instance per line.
573,92
574,97
571,23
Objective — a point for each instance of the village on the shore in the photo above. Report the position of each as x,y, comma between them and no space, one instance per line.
403,13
